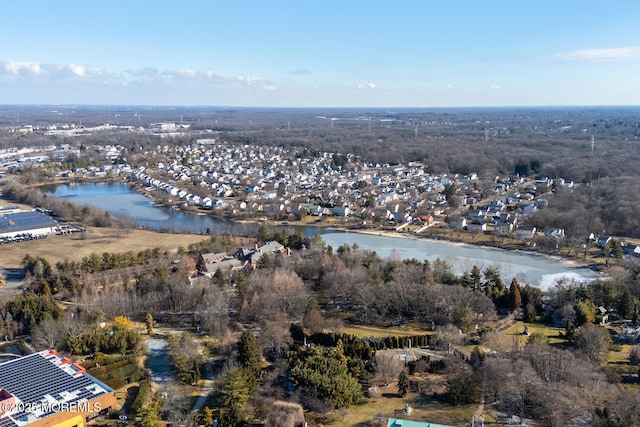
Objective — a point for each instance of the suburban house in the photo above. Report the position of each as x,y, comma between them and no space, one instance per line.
631,249
270,247
603,241
47,390
476,227
503,228
525,232
554,232
209,263
458,223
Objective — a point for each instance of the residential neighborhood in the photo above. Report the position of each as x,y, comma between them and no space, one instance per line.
256,267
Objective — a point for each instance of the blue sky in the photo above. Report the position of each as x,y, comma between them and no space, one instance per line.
272,53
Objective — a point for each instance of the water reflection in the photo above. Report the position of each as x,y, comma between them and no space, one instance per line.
119,198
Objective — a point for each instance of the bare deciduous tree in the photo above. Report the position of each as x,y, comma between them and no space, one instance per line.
50,333
388,365
593,342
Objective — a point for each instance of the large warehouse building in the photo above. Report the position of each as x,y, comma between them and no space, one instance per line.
47,390
34,223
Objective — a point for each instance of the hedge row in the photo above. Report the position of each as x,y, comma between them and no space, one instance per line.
143,394
361,347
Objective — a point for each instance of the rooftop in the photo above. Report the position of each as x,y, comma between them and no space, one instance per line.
394,422
46,379
19,221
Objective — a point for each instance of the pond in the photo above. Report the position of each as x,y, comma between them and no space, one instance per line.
532,268
159,361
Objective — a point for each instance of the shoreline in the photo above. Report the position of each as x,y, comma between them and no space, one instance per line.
578,263
396,235
575,262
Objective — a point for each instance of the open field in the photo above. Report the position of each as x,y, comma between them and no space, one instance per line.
98,240
373,412
551,333
409,328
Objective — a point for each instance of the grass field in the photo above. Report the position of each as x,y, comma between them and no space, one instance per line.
98,240
551,333
409,328
374,412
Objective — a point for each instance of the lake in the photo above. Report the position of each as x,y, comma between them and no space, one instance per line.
536,269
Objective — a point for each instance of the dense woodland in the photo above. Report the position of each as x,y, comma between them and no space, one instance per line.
308,297
258,320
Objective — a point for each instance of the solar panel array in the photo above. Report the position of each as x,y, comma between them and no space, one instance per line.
25,221
39,378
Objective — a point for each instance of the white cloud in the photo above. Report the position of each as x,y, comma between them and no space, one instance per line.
450,86
301,71
182,73
78,70
59,73
144,72
17,68
495,87
367,86
55,72
607,54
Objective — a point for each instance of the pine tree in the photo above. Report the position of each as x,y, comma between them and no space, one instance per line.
148,320
150,414
218,277
475,277
207,416
403,384
235,396
514,294
570,331
249,355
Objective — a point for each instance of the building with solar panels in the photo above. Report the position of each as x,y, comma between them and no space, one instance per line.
28,223
47,390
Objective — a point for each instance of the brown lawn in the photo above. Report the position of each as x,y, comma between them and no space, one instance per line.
98,240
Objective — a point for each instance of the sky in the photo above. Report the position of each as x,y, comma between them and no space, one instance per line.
330,53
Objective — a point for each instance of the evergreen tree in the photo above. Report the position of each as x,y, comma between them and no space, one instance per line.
264,261
262,233
403,384
323,374
477,357
218,277
585,312
235,395
150,414
463,317
475,277
207,416
249,355
240,282
570,331
148,320
626,305
463,391
515,298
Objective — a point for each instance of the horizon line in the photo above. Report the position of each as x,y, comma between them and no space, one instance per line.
553,106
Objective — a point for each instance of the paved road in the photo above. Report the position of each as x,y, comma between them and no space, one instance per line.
14,279
207,388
